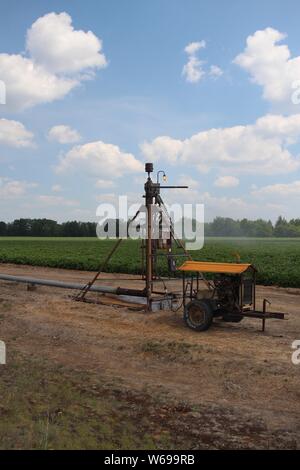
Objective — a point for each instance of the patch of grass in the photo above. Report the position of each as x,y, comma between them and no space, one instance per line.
49,407
179,351
5,306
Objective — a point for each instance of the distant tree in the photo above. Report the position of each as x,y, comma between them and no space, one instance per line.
71,229
3,229
283,228
91,229
295,222
263,228
44,228
225,227
19,228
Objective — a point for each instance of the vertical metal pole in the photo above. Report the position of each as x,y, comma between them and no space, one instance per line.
241,291
183,289
149,195
264,311
254,291
149,253
265,302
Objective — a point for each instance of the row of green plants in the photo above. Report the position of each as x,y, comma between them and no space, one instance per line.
277,260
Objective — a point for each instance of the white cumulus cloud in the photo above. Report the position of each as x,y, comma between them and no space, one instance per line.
57,59
279,190
50,200
100,160
15,134
28,83
227,182
64,134
194,47
53,42
11,189
215,71
186,180
270,64
193,70
162,147
104,183
261,147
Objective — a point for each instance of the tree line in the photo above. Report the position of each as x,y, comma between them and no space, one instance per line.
47,228
219,227
227,227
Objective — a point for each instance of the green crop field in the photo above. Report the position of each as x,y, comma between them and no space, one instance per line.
277,259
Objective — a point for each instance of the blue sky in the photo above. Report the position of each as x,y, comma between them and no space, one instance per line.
139,104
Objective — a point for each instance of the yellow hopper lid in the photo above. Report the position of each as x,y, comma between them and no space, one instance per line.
209,267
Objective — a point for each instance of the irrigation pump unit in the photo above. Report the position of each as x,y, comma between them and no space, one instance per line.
230,295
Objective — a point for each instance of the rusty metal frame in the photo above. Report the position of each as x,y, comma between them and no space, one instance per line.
253,313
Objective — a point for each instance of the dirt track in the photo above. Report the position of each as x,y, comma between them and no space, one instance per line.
242,378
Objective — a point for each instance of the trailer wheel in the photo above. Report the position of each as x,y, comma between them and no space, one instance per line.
198,315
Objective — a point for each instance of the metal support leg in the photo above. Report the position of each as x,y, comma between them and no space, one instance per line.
265,302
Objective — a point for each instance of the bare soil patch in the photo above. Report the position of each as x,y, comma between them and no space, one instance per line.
230,387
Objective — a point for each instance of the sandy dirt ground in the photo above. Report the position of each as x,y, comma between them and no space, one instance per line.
243,380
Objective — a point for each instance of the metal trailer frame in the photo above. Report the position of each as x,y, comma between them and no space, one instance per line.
196,269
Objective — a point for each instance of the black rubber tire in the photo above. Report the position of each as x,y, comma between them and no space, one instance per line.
198,315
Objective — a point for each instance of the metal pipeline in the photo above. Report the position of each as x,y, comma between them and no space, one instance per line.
71,285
